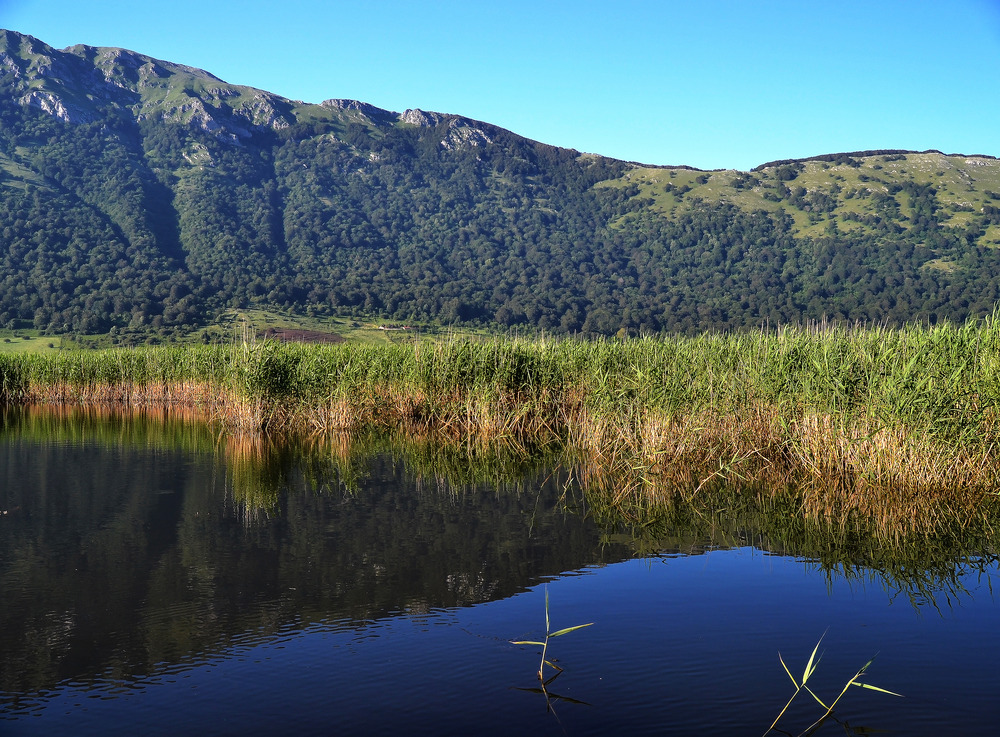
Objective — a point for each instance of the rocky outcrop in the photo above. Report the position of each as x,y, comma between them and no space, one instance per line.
460,131
375,114
262,111
464,132
421,117
49,103
193,112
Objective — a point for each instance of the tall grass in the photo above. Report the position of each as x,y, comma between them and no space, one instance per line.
855,419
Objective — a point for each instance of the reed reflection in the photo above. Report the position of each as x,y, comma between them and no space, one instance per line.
133,544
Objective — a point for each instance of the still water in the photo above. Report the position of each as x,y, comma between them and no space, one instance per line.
156,579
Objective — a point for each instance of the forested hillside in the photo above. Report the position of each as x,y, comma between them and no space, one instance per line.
140,193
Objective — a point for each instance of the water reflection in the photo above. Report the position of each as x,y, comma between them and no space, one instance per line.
927,569
127,545
136,550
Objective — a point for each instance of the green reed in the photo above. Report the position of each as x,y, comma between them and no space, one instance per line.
549,634
945,379
867,406
810,669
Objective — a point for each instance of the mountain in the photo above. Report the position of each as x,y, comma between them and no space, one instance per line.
138,193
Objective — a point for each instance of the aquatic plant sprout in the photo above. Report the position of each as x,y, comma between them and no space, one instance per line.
548,636
810,668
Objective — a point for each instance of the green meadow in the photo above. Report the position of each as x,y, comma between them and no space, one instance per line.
22,342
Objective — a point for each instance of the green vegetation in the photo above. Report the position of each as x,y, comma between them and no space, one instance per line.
810,668
158,200
28,341
867,424
549,634
867,192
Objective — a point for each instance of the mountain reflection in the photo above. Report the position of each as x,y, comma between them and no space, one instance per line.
132,546
129,545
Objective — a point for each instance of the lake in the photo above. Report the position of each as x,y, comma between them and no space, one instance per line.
157,578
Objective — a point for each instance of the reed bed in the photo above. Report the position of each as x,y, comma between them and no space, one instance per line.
855,420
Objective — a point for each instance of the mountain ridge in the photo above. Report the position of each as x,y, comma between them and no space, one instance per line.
142,194
111,56
136,74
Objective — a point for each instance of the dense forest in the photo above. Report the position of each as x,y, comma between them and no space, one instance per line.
139,193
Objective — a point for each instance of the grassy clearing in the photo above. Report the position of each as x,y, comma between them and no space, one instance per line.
899,426
255,324
237,325
28,342
963,185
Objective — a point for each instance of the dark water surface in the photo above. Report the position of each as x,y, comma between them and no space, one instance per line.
157,580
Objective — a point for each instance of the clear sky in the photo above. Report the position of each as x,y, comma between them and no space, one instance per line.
707,83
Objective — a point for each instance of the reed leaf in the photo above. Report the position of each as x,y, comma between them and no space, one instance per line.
561,632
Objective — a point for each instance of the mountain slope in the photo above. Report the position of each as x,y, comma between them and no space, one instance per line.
137,192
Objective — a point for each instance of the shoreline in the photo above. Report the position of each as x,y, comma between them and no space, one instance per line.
897,427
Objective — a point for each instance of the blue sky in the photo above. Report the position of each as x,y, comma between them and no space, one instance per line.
711,84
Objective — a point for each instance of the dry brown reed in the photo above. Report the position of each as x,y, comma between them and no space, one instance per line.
500,419
901,482
644,457
236,413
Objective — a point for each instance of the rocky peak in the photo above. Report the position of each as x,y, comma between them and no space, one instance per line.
421,117
375,114
32,57
76,84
